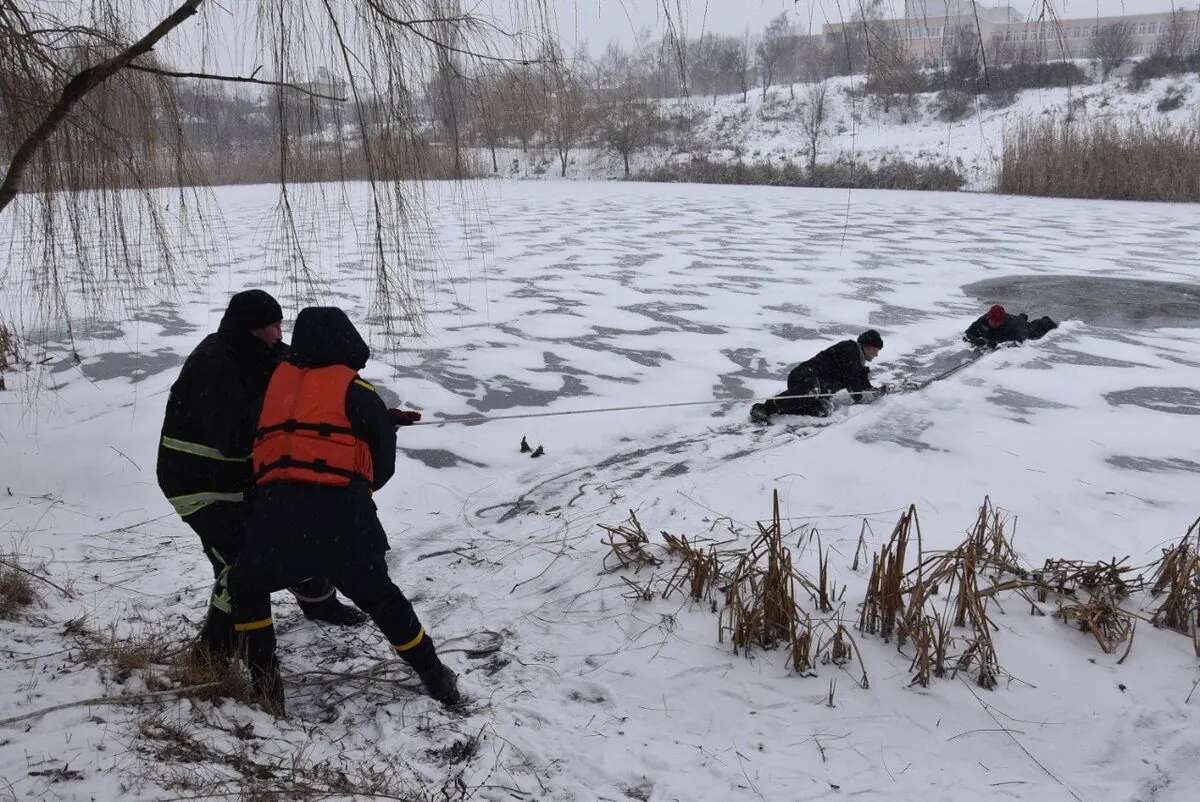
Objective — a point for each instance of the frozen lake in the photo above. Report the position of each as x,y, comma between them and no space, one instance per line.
559,296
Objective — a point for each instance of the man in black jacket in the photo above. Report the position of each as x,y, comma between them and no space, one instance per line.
204,453
325,443
810,384
997,326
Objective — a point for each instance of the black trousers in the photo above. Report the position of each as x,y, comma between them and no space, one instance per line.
222,530
1041,327
296,530
801,382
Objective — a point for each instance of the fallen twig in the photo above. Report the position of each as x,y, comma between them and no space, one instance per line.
123,699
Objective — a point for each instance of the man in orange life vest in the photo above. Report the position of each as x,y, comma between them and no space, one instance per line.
325,442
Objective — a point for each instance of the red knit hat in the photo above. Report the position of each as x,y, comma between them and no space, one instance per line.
996,316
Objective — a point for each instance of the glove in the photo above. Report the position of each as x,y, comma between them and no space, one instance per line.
403,417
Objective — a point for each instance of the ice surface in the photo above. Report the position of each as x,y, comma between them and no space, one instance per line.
578,296
1106,301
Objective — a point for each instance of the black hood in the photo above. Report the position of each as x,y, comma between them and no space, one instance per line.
323,336
250,309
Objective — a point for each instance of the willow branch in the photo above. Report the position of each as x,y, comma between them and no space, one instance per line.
235,79
75,90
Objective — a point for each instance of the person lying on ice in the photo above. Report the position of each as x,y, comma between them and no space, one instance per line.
325,443
838,367
204,454
997,326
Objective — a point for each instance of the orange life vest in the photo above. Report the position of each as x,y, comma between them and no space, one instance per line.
303,432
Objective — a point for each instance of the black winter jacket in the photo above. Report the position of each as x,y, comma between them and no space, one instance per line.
838,367
1015,329
211,415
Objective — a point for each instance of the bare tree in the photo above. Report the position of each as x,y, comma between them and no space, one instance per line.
523,106
626,120
704,65
772,49
1112,47
568,119
892,69
812,119
740,63
486,100
90,118
1180,36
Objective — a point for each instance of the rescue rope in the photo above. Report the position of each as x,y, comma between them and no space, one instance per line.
629,408
675,404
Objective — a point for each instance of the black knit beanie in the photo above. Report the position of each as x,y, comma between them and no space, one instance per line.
251,309
870,337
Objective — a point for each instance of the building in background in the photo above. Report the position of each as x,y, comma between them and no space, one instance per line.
931,29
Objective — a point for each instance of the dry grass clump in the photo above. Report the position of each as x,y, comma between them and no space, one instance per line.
939,602
1068,577
760,599
698,570
16,587
147,654
899,602
1103,617
627,544
1177,574
761,608
9,357
215,679
1099,159
753,591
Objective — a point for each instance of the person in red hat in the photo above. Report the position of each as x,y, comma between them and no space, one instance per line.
998,326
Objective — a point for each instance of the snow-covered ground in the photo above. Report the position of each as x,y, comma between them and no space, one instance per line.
861,130
574,296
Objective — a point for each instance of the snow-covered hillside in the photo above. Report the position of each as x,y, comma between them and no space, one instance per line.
574,296
861,130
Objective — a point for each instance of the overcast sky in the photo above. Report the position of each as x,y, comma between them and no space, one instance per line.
598,22
225,40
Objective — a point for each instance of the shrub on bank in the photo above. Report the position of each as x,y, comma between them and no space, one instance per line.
889,175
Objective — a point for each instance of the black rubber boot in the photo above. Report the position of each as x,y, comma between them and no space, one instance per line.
332,611
258,649
440,682
216,641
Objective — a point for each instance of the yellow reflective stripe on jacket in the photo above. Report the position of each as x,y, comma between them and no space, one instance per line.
199,450
365,383
194,502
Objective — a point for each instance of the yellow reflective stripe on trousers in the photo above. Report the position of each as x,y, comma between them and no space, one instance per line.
251,626
404,647
194,502
198,450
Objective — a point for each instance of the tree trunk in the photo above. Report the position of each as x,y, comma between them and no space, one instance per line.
495,164
626,155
